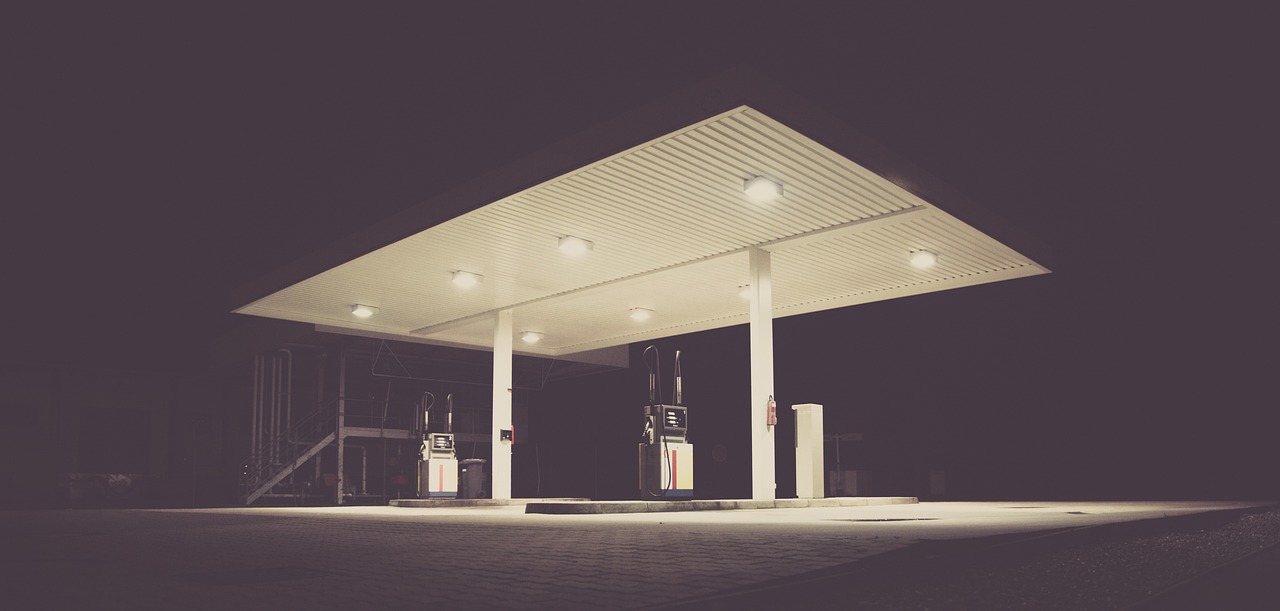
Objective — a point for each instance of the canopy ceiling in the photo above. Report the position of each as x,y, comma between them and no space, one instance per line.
671,230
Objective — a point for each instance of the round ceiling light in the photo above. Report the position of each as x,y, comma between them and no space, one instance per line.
923,259
761,190
574,246
466,280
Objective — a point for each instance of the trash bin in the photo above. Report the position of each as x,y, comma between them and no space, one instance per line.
471,479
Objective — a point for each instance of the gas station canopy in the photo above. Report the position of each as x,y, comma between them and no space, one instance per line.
641,228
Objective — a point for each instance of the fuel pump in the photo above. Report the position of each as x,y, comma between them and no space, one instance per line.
437,459
665,451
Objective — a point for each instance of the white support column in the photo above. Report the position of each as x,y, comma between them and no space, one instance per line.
809,466
501,405
762,461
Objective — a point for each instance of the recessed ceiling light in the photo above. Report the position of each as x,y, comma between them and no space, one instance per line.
641,314
923,259
530,337
744,291
761,190
363,311
466,280
574,246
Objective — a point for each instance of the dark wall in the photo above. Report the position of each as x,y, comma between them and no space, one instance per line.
589,428
99,437
581,437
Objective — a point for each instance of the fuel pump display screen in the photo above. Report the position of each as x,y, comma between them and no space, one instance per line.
674,418
441,442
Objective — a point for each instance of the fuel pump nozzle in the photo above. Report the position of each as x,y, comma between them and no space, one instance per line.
448,403
426,413
650,434
653,388
679,394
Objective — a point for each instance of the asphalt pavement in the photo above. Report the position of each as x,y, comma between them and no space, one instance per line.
479,557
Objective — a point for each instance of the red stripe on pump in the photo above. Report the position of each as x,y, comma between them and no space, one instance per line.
441,478
675,462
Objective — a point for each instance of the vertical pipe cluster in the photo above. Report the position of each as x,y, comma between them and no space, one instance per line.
273,395
255,432
271,408
285,391
342,410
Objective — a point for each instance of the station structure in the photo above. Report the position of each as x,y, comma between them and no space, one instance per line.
731,201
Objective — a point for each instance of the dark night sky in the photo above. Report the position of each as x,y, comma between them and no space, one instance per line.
158,156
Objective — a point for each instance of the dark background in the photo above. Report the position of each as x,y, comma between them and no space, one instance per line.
155,157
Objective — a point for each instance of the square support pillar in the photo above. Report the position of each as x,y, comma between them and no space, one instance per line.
809,467
501,463
763,487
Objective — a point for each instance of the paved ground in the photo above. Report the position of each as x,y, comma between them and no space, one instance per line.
472,558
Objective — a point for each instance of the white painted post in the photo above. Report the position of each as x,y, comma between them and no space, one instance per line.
763,487
809,468
501,404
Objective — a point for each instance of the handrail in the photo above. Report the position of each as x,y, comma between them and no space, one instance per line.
284,449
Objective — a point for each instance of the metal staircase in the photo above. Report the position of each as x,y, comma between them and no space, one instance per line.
281,456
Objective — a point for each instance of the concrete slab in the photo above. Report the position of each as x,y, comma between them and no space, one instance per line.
596,507
453,503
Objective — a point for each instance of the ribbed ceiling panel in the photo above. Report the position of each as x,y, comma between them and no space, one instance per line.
874,261
600,317
670,227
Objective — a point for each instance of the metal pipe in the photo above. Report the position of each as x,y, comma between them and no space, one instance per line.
253,416
275,410
386,404
426,414
288,390
426,421
342,410
364,467
264,412
264,430
679,393
262,404
324,361
448,428
278,429
268,375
